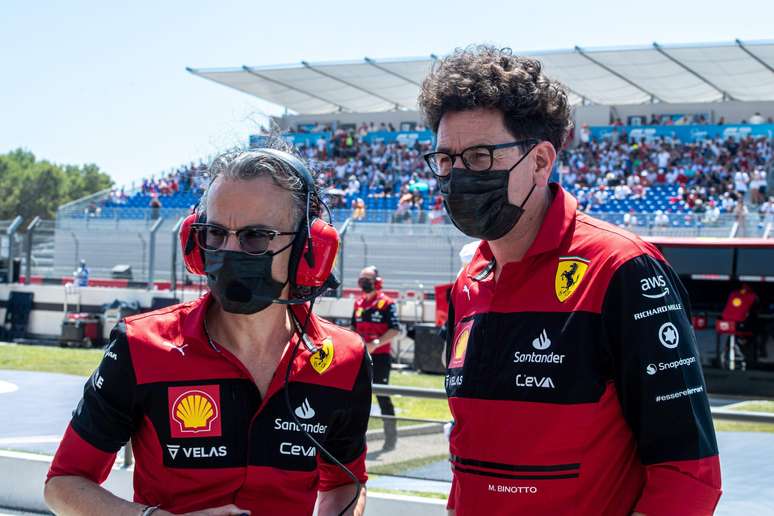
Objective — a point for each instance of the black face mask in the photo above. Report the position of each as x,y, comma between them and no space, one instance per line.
366,285
477,202
240,282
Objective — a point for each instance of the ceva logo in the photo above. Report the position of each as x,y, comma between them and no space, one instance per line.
544,382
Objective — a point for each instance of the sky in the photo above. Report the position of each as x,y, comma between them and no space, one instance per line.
106,82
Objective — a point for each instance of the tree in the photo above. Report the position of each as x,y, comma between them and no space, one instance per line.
37,188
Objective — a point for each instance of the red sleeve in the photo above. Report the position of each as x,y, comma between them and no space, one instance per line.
76,457
451,504
681,488
331,476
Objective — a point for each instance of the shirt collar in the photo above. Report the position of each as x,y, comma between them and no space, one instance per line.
192,326
558,220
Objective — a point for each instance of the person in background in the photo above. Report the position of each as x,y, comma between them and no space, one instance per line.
82,275
155,206
358,209
375,318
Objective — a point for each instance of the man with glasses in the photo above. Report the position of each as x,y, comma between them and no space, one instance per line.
236,402
573,373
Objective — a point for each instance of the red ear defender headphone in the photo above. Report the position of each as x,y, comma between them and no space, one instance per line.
315,246
378,281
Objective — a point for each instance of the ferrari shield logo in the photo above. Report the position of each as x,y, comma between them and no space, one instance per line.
569,274
321,360
380,304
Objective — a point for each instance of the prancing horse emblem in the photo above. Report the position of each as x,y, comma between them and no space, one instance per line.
569,274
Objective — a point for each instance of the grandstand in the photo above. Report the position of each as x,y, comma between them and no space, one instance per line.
657,153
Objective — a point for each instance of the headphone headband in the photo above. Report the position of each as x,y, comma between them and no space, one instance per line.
314,249
293,162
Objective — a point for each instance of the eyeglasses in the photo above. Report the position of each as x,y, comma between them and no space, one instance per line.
478,158
252,240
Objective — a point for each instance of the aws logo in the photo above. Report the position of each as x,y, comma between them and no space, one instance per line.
194,411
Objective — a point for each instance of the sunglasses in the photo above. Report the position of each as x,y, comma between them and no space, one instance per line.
252,240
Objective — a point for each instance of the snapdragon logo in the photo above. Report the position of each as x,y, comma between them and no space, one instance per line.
652,369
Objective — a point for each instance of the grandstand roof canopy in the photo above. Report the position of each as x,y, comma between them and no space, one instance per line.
623,75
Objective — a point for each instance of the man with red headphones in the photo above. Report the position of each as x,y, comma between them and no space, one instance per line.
242,401
375,319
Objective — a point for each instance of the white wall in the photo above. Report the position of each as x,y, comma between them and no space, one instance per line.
22,476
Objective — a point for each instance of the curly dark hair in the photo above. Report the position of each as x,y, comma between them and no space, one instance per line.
484,76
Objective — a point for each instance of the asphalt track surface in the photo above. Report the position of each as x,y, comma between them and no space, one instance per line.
37,407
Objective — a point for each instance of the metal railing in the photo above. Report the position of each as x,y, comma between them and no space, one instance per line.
718,413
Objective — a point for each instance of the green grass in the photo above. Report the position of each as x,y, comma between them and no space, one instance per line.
755,406
397,468
416,407
736,426
423,494
80,362
748,406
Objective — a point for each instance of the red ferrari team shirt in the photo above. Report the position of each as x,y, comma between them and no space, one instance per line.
574,380
371,318
202,434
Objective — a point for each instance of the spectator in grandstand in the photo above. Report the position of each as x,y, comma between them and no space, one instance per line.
630,219
92,210
661,219
230,399
740,213
437,213
358,209
712,215
155,206
81,275
519,359
403,211
417,211
757,119
741,183
375,318
766,212
758,187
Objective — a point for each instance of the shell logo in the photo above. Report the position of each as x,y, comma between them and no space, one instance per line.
460,346
194,411
736,302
